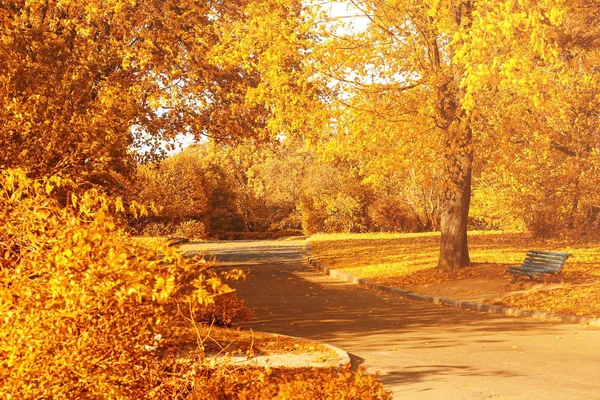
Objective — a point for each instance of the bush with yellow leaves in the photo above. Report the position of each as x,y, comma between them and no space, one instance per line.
282,384
84,310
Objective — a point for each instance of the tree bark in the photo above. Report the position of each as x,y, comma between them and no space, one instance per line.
456,199
454,250
458,158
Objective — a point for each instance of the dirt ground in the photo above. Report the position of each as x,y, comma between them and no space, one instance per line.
422,350
479,289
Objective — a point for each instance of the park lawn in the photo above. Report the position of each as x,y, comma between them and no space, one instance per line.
409,261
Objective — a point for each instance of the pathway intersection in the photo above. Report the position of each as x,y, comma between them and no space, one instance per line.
422,350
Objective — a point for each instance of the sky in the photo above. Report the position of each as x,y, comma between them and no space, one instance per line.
344,9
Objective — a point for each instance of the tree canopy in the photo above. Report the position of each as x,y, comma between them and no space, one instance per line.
435,89
85,84
429,108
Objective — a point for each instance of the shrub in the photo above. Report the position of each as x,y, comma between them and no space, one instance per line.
85,312
313,217
310,383
332,213
191,229
392,214
344,214
224,311
158,229
544,222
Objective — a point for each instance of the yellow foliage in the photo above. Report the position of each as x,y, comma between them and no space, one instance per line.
84,310
82,83
87,312
281,384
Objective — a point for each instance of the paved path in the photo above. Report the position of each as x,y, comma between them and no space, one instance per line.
422,350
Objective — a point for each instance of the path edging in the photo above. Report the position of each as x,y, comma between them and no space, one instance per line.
343,357
462,304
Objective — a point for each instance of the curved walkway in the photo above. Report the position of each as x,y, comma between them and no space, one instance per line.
423,350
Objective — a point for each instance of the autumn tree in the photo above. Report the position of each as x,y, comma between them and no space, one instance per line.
406,194
550,128
84,83
427,70
279,180
180,191
334,199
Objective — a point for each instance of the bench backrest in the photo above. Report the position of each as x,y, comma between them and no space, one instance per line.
548,260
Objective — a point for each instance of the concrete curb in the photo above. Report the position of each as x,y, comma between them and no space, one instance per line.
343,357
462,304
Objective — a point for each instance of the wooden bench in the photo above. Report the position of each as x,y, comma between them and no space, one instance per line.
540,263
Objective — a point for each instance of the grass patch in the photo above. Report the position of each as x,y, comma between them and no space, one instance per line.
409,261
237,340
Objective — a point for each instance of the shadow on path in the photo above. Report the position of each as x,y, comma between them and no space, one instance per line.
422,350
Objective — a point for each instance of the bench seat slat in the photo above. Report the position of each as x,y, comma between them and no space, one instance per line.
550,253
536,261
532,270
559,259
518,270
542,265
545,257
544,262
540,259
528,266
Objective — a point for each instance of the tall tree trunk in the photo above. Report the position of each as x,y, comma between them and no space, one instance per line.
458,157
456,199
454,250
